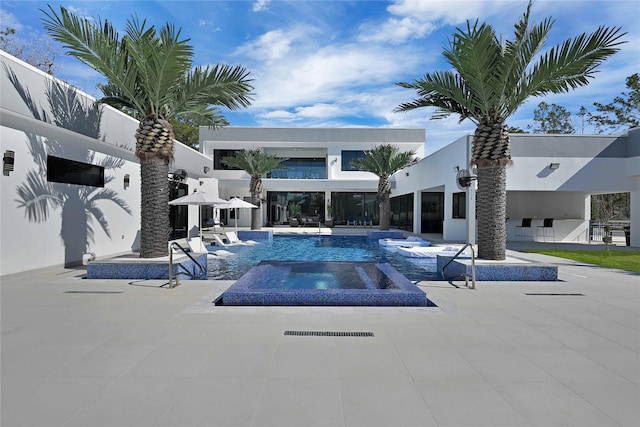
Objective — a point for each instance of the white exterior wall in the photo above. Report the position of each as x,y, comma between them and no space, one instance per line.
27,243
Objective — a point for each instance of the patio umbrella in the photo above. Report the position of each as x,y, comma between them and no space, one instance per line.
199,198
236,203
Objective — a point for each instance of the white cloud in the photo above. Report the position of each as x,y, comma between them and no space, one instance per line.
327,74
414,19
9,20
275,44
396,30
261,5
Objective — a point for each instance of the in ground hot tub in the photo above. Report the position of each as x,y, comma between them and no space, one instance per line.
324,283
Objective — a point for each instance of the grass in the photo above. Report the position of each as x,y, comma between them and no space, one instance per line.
623,260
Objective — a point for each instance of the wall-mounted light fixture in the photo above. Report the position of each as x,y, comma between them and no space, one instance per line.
456,169
127,181
7,162
206,169
406,173
554,166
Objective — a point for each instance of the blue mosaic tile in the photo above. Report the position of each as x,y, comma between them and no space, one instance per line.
122,268
250,289
257,235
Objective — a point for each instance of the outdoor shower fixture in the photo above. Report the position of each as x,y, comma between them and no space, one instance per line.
7,162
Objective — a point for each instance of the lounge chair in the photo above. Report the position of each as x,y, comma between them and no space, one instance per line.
232,238
217,240
197,246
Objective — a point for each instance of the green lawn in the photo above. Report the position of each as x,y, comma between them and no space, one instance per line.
623,260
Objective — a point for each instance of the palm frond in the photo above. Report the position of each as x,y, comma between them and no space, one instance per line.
571,64
475,54
255,161
96,45
384,160
444,90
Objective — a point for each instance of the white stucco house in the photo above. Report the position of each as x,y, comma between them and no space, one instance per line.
70,188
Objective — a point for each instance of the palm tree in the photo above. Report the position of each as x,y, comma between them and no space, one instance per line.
149,75
384,160
489,81
256,163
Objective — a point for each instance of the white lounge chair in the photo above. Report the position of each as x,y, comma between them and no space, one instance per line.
427,252
232,237
197,246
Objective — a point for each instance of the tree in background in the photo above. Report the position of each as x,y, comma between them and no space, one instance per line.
187,132
554,119
385,160
256,163
37,52
151,76
623,112
488,80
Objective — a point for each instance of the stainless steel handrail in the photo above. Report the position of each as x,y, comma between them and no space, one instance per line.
200,267
473,266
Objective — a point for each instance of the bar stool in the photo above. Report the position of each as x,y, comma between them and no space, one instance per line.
547,225
521,230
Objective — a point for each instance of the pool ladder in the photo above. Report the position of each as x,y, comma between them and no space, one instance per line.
176,245
473,266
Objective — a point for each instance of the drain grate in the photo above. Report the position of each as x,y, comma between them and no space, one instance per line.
328,334
93,292
555,295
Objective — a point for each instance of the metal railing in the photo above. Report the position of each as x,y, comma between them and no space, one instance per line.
473,266
176,245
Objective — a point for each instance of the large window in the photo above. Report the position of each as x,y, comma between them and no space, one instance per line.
301,168
217,159
309,204
354,207
349,156
72,172
459,205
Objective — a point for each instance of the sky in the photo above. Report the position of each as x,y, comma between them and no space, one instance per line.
335,63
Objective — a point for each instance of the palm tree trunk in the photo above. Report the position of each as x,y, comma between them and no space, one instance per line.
384,189
154,209
491,209
491,153
255,188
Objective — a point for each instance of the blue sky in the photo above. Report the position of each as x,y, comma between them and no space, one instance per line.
334,63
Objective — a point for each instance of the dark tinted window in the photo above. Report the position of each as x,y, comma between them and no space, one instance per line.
459,205
217,157
72,172
350,155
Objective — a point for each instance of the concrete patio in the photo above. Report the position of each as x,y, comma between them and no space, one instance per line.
81,352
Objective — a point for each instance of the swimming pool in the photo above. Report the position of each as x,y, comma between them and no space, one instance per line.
324,248
334,283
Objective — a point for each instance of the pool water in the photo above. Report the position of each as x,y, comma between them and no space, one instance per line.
323,275
324,248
